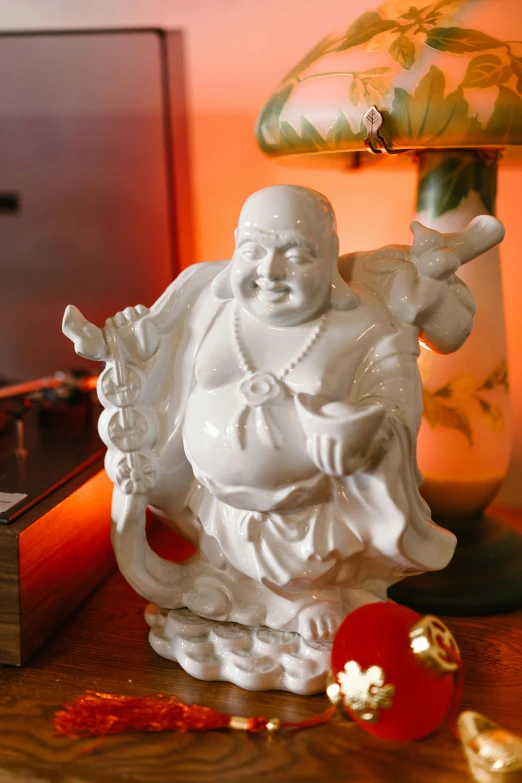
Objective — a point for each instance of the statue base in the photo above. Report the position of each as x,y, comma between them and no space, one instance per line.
484,576
254,658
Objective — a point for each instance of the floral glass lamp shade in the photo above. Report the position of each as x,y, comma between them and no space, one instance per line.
442,79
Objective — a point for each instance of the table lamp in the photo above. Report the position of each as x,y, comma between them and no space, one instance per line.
442,80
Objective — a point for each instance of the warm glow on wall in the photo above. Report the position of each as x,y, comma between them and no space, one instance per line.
442,81
229,79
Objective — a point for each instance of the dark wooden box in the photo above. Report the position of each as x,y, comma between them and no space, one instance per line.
55,536
51,558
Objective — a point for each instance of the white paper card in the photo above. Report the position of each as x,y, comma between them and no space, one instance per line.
10,499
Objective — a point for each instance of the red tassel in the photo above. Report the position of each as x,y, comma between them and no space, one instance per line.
99,714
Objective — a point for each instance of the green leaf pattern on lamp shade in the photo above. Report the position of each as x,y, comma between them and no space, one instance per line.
401,33
446,177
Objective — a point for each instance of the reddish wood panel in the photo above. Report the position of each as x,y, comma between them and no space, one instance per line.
63,555
51,559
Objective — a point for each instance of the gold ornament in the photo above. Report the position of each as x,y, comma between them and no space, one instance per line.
364,692
434,645
493,754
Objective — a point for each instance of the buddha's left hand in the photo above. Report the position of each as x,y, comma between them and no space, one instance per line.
337,456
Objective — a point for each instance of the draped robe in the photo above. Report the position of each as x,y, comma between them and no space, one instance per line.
369,528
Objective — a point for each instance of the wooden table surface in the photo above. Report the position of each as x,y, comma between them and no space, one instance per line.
104,647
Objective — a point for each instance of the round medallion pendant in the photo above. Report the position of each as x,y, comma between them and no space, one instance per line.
260,388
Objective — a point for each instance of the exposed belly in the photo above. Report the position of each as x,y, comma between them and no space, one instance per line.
255,463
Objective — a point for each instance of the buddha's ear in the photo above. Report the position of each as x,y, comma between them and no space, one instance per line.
341,295
221,287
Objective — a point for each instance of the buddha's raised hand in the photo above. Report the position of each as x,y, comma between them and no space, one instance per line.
132,325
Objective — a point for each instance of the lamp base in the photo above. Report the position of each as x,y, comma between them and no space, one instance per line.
484,576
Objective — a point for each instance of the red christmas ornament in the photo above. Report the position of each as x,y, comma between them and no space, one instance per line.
395,671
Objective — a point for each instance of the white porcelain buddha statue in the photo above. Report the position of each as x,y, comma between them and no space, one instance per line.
267,410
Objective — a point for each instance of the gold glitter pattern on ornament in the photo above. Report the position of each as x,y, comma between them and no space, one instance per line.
365,692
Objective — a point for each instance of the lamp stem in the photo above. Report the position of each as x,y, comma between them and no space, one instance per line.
465,438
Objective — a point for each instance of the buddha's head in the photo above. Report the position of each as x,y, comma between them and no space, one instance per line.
284,268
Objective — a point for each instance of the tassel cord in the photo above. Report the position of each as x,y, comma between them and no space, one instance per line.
315,720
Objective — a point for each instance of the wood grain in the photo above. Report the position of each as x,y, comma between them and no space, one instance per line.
68,546
104,647
51,558
10,644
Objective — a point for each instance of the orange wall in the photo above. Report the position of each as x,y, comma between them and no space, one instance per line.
237,50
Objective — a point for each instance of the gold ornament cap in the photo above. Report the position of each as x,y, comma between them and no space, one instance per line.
434,646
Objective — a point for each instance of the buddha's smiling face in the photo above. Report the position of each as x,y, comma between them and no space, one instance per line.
285,247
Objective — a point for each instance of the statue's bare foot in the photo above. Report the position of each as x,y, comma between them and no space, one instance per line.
320,621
